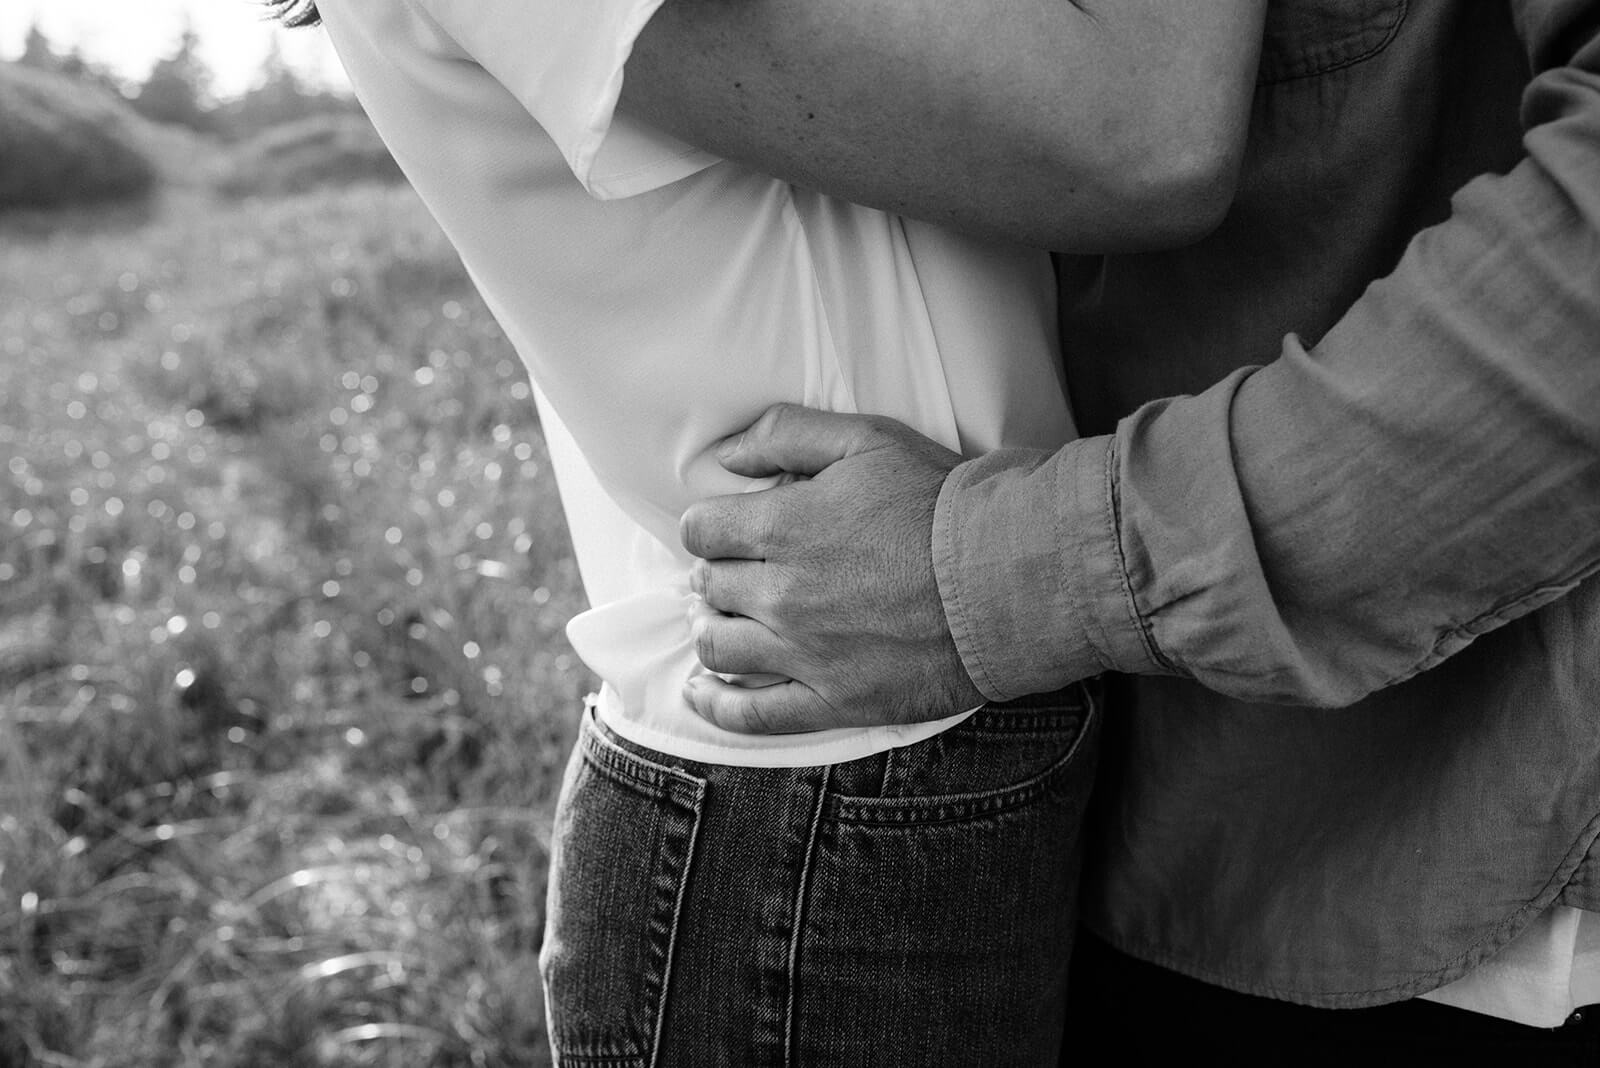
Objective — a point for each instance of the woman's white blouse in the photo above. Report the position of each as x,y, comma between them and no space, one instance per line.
662,299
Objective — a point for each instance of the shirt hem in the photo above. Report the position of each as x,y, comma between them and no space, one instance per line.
864,742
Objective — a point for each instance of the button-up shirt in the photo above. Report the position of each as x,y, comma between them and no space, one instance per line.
1334,518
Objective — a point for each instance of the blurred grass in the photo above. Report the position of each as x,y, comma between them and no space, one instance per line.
284,693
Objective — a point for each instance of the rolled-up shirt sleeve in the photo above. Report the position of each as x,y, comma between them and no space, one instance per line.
1350,514
1023,540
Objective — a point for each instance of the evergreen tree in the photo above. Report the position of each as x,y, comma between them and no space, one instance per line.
80,68
179,87
37,52
278,96
40,54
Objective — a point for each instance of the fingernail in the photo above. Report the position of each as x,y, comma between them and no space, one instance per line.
697,577
729,446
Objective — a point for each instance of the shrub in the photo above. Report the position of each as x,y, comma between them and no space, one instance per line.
302,155
64,143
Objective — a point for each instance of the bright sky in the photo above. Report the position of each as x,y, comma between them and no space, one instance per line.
130,35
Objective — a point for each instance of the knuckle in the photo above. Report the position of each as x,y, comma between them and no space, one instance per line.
775,418
790,597
765,527
733,710
764,602
763,594
880,431
753,715
702,632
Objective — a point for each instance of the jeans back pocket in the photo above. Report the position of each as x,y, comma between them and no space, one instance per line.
1002,756
622,846
941,905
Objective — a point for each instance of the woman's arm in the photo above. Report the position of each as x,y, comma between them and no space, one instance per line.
1107,125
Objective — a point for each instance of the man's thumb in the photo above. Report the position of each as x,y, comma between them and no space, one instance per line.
800,441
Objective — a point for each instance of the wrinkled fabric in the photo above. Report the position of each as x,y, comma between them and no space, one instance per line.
662,299
1335,518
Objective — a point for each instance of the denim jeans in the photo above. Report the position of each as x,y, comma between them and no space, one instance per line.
913,908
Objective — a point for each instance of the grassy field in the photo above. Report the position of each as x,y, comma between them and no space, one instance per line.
284,694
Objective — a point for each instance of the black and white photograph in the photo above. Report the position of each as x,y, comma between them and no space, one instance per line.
799,533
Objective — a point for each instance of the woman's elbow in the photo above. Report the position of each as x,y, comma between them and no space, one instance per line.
1175,193
1144,183
1190,199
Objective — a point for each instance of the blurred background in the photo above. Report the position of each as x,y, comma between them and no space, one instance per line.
284,693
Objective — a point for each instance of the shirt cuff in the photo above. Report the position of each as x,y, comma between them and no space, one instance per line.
1029,566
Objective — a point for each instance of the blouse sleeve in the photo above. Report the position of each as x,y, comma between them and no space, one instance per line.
563,61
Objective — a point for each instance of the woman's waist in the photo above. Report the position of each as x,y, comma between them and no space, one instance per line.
642,649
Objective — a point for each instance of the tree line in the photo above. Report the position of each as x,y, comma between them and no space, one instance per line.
178,90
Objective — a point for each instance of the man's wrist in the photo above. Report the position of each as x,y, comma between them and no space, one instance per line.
1026,556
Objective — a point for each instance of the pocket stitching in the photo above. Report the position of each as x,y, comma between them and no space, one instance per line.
990,720
632,770
672,934
1401,9
683,796
957,808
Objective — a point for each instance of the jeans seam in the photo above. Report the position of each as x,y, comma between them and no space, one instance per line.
677,916
802,892
635,771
